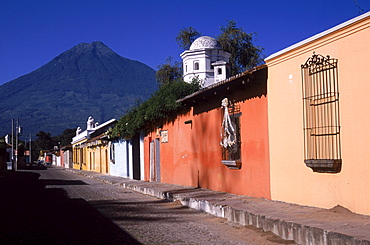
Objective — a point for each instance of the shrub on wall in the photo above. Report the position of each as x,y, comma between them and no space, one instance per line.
155,110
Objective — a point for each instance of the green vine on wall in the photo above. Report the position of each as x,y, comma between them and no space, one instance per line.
154,111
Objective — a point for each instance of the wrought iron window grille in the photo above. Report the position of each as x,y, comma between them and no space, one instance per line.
322,146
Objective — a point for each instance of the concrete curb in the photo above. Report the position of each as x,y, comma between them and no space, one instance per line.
248,211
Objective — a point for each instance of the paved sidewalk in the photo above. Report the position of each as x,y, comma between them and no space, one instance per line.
304,225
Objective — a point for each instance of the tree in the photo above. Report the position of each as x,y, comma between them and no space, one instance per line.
169,72
66,137
244,54
360,10
44,141
186,37
47,142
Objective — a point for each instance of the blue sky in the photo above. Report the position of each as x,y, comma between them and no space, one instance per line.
32,32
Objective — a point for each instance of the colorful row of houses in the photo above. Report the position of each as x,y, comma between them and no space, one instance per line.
295,129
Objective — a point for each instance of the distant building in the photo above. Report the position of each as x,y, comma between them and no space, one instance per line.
90,147
206,61
66,156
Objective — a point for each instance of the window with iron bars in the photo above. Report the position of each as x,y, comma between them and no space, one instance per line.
320,91
231,155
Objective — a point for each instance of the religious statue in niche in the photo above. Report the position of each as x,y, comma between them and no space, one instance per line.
228,131
230,141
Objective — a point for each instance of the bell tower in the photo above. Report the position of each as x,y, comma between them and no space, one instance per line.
206,61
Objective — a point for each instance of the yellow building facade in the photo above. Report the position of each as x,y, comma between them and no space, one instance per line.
79,155
91,147
97,157
319,117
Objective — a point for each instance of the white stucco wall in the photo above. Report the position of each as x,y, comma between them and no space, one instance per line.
142,166
121,166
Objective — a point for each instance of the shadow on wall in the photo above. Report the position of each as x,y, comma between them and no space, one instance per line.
240,89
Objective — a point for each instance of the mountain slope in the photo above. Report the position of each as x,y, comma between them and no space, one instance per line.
87,80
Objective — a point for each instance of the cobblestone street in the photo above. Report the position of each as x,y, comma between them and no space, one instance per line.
53,206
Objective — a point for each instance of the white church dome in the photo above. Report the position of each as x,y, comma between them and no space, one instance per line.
205,42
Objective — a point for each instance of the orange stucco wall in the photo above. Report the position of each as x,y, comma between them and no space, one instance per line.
291,180
192,156
146,170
